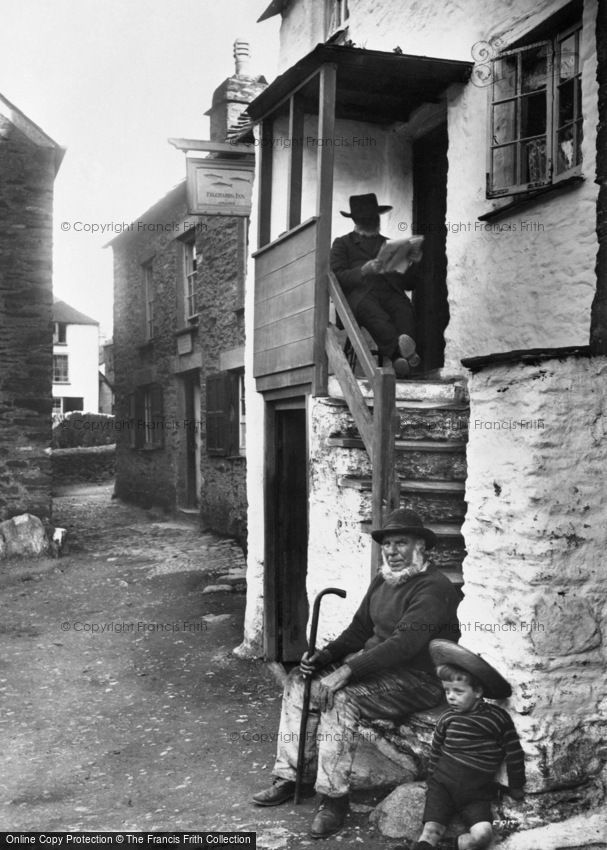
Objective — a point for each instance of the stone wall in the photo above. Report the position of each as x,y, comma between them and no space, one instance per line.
147,476
535,586
89,464
157,475
223,497
27,172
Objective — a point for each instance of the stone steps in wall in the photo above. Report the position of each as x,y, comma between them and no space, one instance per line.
442,500
438,390
441,460
431,438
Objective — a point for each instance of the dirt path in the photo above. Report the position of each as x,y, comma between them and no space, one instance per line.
123,707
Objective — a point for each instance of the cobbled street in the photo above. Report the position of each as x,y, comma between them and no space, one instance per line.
123,705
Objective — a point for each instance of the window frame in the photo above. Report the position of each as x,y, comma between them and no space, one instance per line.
337,17
190,269
59,333
146,417
148,295
519,142
64,358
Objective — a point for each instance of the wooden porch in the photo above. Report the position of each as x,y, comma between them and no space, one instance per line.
295,344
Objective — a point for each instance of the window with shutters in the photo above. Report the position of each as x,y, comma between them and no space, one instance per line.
146,418
535,115
225,423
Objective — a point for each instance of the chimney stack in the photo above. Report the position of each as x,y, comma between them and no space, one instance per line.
232,97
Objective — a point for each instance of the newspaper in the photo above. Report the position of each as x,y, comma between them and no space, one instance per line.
395,254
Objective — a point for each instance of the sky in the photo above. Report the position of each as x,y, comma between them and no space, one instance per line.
111,81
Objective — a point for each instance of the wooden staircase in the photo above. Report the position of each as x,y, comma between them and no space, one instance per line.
430,459
406,440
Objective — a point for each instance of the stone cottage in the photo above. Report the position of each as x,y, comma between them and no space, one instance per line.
479,126
178,345
29,162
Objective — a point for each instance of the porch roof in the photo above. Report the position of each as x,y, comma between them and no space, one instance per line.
372,85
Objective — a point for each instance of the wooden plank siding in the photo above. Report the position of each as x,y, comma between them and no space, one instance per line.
284,303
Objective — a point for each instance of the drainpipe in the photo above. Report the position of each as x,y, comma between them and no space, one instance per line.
598,316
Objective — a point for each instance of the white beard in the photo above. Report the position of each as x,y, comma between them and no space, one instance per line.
418,565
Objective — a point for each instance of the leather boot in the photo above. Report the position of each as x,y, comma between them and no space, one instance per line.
330,816
279,792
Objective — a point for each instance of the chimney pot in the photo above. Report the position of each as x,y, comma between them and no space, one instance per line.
242,57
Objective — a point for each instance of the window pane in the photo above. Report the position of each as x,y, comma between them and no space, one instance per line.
568,57
533,115
568,147
533,161
504,122
504,167
504,80
534,69
566,102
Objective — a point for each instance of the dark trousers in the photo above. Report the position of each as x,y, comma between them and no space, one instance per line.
386,314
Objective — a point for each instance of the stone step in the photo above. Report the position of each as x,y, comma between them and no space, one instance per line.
425,421
440,501
435,389
428,421
418,459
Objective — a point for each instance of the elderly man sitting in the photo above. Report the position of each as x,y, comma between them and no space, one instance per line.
379,667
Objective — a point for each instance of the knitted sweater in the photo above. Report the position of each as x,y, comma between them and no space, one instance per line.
394,625
479,739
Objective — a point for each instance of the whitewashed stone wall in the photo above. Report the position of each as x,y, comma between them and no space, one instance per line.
252,644
514,282
535,581
339,552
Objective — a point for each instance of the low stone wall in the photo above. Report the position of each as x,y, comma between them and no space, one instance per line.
91,464
535,586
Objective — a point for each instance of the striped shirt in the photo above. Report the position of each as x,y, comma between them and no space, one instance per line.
479,740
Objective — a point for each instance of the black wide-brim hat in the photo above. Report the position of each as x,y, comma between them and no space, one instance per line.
365,206
447,652
404,521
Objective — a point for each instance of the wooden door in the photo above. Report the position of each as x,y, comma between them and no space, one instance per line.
429,213
286,604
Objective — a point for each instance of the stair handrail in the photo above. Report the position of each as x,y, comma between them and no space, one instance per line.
378,431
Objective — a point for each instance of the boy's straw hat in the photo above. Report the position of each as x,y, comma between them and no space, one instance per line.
447,652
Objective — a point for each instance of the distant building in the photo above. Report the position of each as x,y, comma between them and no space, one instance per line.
29,162
75,360
106,377
179,335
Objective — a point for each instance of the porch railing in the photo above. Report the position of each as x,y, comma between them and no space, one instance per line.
376,428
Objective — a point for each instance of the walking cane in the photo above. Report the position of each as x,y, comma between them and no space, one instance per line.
307,687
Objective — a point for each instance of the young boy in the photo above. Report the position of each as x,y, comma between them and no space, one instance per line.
471,740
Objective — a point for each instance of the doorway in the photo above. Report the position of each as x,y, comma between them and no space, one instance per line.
191,432
429,213
286,602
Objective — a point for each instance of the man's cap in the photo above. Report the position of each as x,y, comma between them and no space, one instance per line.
447,652
365,206
404,521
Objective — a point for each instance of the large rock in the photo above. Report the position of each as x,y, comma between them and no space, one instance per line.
399,815
378,764
22,535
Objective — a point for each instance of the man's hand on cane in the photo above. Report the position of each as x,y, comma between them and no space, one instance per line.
329,685
311,664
